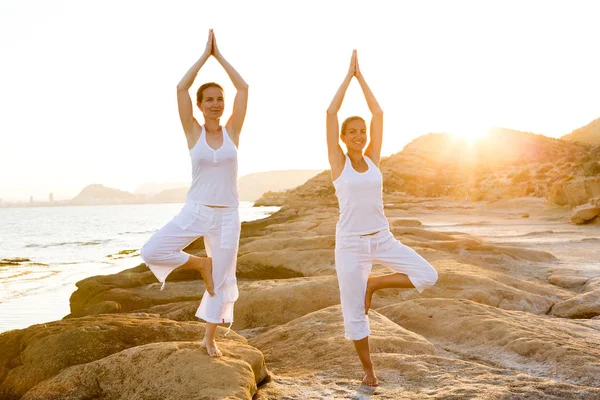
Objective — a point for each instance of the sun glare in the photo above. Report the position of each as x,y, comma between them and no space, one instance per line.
471,134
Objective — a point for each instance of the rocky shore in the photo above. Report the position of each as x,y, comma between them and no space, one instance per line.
502,322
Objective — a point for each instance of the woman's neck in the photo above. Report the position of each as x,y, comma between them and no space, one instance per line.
355,155
212,125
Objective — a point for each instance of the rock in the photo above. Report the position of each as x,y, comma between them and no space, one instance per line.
591,285
406,222
180,311
538,345
585,305
171,370
39,352
289,242
275,302
105,307
574,192
89,288
475,286
286,264
566,281
584,214
326,366
146,296
254,308
316,342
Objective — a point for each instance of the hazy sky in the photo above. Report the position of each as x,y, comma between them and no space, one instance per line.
87,89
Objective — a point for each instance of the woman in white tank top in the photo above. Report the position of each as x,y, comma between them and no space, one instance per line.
211,208
362,233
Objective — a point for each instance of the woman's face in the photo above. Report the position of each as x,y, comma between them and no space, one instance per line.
355,136
213,102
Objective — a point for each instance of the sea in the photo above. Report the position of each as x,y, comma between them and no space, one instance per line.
44,251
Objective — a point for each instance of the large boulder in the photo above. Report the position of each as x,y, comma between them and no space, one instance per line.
575,192
567,281
171,370
128,299
89,291
585,213
39,352
586,305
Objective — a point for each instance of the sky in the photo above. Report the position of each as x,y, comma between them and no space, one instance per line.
87,89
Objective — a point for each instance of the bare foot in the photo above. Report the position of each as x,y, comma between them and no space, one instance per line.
211,348
205,269
369,295
370,379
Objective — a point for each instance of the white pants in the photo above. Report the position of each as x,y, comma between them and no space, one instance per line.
354,257
220,227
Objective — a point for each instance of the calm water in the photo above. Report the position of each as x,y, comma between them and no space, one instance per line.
67,244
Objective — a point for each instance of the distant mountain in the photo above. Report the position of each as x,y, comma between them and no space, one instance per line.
152,188
252,186
176,195
99,194
586,134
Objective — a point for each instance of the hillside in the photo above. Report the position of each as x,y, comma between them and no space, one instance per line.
99,194
151,188
586,134
252,186
505,164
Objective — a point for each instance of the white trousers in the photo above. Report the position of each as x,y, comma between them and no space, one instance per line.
220,227
354,257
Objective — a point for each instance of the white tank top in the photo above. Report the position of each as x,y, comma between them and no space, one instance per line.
214,172
360,199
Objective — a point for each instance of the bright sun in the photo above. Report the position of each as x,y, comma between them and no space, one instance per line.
471,133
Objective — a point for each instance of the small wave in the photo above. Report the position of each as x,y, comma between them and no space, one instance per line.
89,243
136,232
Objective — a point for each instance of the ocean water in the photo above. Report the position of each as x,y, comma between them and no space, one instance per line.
64,245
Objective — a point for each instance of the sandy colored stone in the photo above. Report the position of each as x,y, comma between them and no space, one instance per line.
586,305
316,342
584,213
536,345
406,222
591,285
575,192
39,352
275,302
104,307
286,264
325,366
141,297
292,241
89,291
169,370
566,281
419,377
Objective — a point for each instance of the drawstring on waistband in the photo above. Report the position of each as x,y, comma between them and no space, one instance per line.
163,285
369,243
229,328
